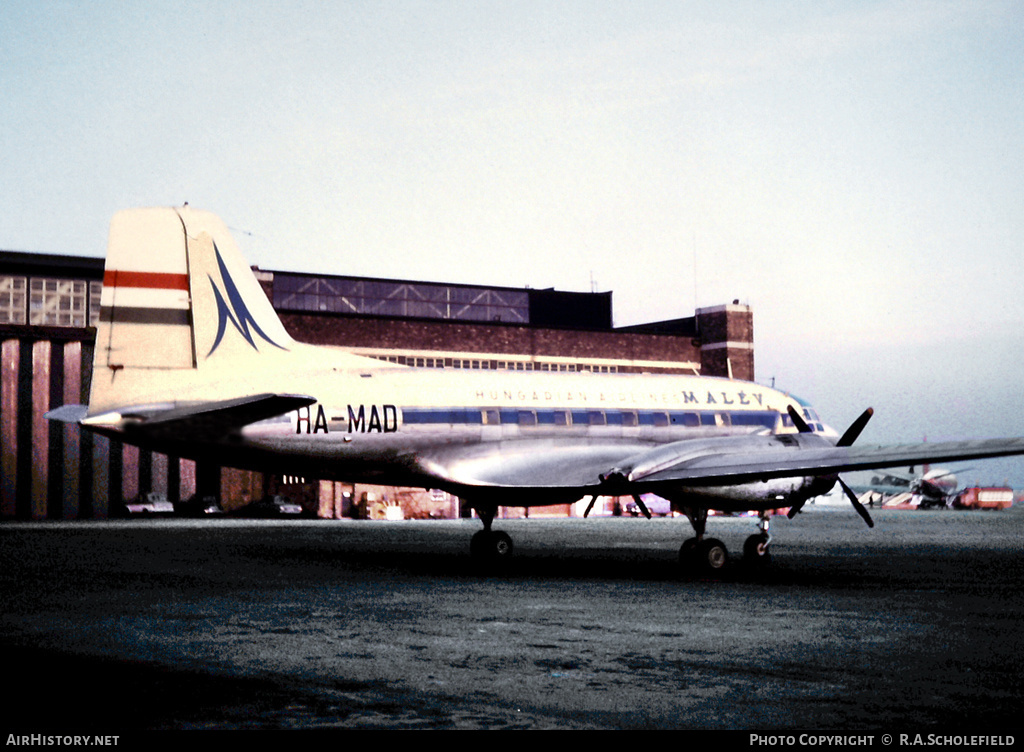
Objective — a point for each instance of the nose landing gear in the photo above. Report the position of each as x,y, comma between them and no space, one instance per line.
755,548
709,556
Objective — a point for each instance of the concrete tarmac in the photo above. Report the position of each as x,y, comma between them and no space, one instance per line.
112,627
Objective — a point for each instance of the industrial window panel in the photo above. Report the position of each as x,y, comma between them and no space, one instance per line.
95,293
12,300
57,302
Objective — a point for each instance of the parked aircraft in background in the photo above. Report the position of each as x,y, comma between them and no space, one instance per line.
931,488
192,360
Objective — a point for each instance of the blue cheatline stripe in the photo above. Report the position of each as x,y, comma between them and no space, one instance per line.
575,417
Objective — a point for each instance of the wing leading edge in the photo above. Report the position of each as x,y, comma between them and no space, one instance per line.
616,469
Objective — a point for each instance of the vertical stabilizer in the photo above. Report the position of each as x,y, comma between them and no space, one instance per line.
180,310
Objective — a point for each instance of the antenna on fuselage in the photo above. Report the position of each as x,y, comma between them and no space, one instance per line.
695,303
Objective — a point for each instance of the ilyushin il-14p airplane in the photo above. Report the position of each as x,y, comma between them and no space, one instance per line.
192,360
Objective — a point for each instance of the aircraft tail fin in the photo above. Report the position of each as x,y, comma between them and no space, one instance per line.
178,301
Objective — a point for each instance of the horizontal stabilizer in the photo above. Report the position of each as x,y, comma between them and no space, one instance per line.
67,413
211,420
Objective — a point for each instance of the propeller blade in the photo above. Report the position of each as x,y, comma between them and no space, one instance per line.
856,503
590,506
855,428
795,509
798,421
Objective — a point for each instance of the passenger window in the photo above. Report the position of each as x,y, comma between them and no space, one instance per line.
630,418
660,419
527,418
491,417
597,418
563,418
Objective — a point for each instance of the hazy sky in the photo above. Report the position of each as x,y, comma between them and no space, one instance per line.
852,170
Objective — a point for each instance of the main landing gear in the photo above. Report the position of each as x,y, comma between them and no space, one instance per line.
710,557
490,546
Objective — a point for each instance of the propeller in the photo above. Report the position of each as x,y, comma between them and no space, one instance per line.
849,436
856,502
855,428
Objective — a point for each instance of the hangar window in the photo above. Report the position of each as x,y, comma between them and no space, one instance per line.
12,300
95,293
57,302
347,295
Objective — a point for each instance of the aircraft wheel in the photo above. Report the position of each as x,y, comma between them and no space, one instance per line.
755,550
492,546
711,555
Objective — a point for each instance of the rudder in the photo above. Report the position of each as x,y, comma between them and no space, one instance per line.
145,310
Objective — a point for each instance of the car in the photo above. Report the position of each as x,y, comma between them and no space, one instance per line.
272,506
198,506
150,503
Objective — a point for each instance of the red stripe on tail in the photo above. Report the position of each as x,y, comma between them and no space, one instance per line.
147,280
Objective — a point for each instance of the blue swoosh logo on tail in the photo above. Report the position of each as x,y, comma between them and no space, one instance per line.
234,310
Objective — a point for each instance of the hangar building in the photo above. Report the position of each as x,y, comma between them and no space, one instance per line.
49,305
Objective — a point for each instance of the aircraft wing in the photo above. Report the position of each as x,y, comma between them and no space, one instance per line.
613,469
820,460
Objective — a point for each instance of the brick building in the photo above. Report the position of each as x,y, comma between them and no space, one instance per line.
49,306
